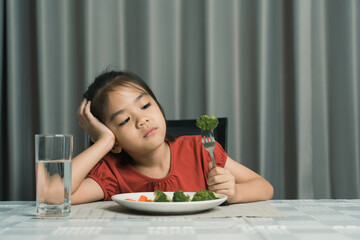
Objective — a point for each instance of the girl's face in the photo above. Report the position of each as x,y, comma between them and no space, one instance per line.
136,120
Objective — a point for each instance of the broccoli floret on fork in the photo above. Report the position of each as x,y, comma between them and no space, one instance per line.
207,123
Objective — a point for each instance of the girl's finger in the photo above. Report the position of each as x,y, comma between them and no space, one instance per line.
210,165
81,107
87,111
218,179
218,171
221,186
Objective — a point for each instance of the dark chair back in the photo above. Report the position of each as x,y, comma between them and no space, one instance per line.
176,128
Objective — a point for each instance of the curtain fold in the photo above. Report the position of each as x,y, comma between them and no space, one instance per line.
343,79
320,104
21,99
270,97
303,96
3,164
285,73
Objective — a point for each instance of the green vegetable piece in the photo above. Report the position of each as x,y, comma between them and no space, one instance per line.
180,196
161,196
207,123
204,195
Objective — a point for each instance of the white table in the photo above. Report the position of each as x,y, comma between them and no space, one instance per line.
306,219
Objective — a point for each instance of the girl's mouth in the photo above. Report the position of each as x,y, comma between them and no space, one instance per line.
150,132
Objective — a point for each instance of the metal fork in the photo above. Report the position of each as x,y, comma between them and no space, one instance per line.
208,142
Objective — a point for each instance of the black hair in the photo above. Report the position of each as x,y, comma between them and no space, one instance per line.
97,92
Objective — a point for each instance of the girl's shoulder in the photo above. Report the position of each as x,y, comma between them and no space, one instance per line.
114,159
188,143
192,143
187,140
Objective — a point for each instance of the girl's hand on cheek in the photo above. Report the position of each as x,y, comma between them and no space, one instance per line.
91,124
220,180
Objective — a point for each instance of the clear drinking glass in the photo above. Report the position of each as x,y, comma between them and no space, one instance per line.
53,154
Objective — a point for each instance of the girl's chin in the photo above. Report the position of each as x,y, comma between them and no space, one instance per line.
149,144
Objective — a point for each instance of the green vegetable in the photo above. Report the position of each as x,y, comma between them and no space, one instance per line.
161,196
204,195
207,123
180,196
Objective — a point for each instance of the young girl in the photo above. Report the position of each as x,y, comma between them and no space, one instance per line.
131,152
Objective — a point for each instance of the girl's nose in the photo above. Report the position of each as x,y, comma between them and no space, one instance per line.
143,121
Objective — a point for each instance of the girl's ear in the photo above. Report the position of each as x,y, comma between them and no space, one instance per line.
117,148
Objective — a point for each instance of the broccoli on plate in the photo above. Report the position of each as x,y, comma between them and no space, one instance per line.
180,196
204,195
161,196
207,123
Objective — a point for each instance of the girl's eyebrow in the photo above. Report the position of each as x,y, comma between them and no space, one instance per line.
122,110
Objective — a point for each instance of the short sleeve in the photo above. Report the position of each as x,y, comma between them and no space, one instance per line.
103,175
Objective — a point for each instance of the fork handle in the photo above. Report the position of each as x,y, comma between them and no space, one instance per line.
212,159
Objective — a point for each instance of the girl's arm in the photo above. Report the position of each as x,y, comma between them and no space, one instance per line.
85,189
239,183
89,191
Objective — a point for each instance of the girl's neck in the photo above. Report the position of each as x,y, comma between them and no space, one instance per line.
155,164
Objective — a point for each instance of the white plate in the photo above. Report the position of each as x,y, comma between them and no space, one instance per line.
166,207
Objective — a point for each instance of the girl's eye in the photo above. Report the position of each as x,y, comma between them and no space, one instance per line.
146,106
124,122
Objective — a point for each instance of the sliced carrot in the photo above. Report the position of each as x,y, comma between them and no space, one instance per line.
143,198
149,200
129,199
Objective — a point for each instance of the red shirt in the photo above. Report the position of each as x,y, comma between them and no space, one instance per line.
188,171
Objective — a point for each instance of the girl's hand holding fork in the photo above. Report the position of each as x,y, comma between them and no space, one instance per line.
238,182
220,180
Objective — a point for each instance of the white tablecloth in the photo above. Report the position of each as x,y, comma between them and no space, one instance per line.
305,219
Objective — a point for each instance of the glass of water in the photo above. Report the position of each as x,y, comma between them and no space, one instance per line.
53,154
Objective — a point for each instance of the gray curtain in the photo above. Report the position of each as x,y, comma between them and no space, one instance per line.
285,73
2,90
